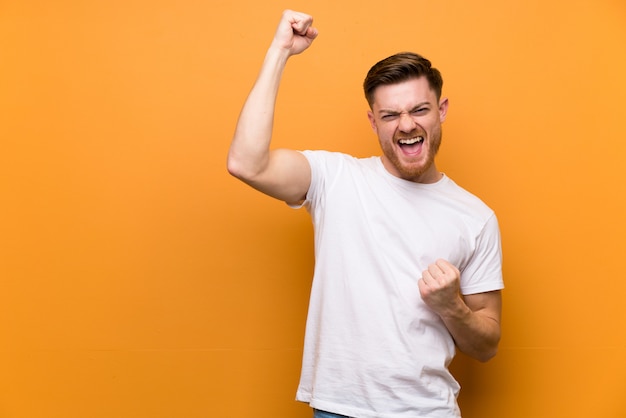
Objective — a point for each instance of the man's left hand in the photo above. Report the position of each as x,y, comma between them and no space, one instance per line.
440,286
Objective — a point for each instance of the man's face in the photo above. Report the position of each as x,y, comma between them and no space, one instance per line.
407,119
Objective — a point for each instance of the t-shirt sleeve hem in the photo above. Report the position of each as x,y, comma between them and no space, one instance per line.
482,288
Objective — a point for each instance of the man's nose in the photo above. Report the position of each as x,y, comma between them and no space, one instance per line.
407,124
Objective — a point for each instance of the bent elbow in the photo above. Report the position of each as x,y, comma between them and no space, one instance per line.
237,168
233,168
489,351
487,355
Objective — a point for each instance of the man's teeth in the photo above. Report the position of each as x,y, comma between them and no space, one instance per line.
411,141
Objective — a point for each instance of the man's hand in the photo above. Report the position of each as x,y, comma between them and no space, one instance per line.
294,32
440,287
473,320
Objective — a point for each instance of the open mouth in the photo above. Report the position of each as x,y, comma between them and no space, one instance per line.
411,145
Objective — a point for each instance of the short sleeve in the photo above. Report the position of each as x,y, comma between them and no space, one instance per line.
484,271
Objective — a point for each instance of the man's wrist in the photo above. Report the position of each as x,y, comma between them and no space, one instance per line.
456,311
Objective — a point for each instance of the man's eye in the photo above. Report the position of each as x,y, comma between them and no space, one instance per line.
420,111
388,117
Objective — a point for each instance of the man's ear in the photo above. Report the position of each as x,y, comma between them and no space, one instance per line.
370,116
443,108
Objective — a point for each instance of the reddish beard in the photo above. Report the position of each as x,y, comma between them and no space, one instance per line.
413,171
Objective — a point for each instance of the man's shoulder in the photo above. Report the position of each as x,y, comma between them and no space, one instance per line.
338,159
468,199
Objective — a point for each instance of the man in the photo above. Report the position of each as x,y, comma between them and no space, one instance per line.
408,264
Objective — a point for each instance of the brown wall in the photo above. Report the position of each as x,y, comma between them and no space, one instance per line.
137,279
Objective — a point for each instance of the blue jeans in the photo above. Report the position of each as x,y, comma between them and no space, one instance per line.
321,414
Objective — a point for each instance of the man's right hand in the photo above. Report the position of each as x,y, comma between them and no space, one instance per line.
294,32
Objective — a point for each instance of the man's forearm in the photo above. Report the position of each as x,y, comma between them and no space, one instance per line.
475,332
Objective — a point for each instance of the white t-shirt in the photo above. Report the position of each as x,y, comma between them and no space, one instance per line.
373,349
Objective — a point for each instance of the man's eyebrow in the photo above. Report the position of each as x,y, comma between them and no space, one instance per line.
396,112
389,112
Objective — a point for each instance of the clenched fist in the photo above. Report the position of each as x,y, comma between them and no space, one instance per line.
440,286
294,32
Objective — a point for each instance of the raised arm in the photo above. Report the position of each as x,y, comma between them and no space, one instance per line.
283,174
